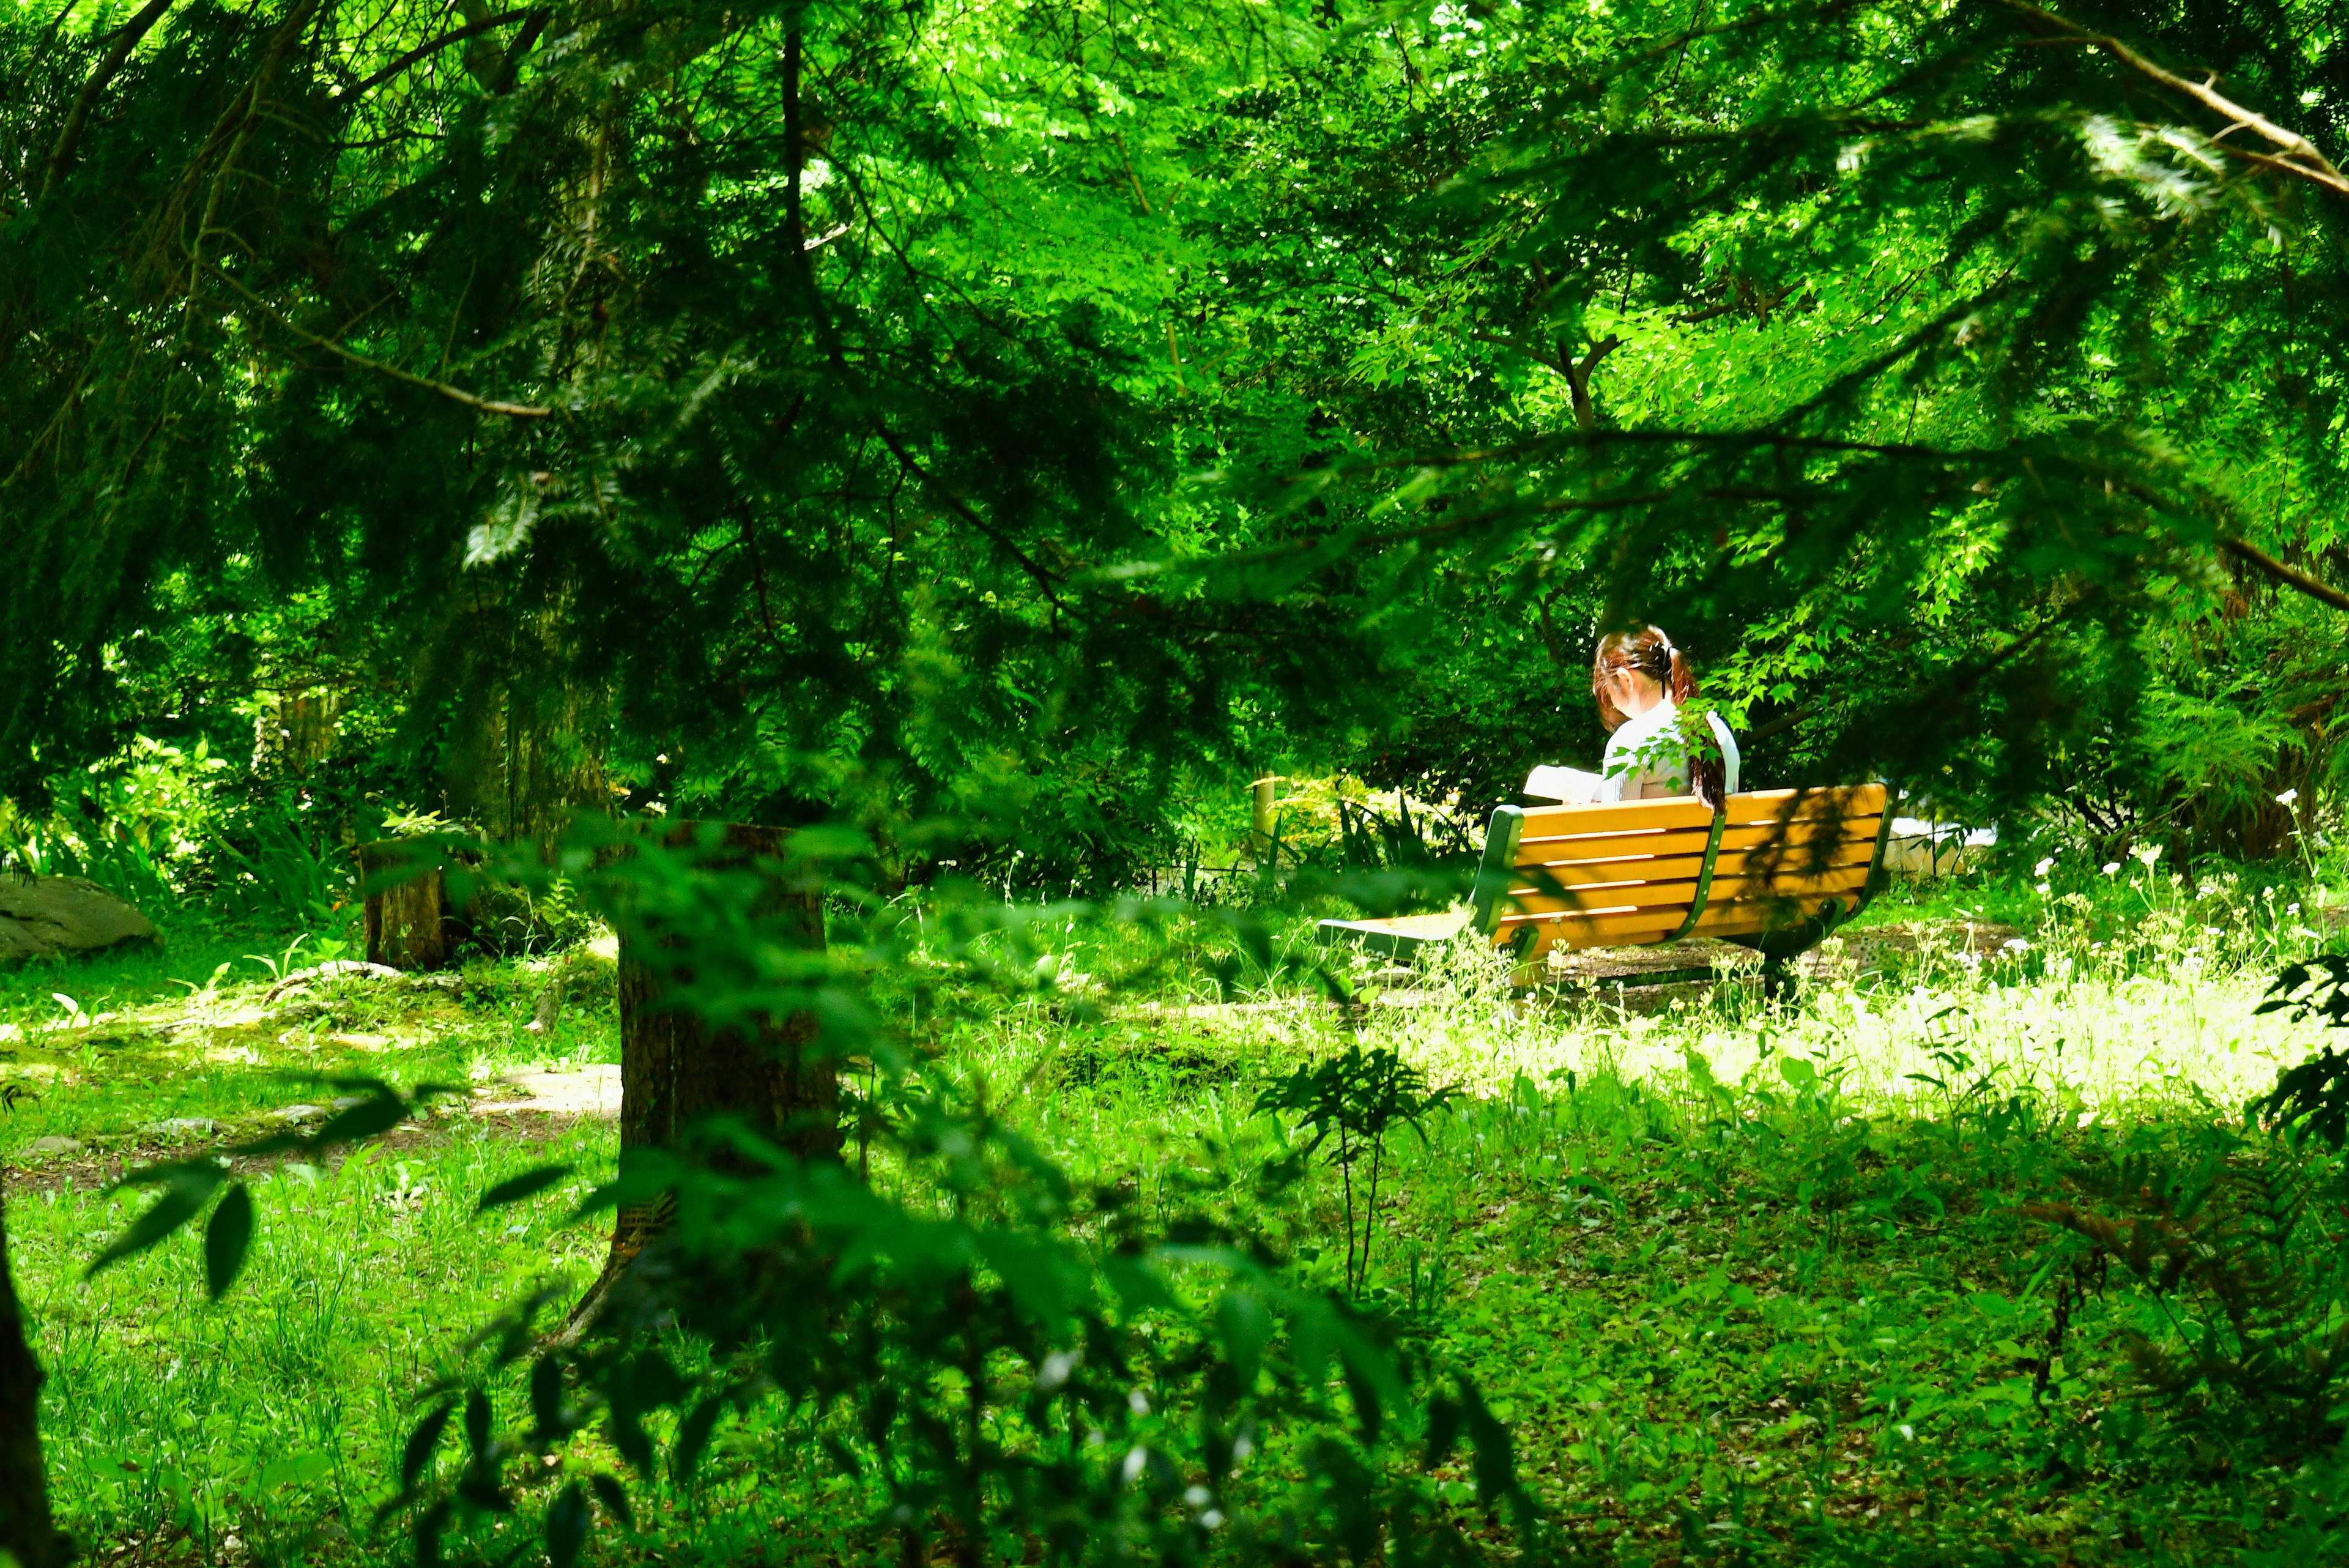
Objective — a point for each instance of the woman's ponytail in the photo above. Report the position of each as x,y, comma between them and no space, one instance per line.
1682,685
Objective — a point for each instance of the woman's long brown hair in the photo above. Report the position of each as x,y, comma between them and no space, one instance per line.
1650,653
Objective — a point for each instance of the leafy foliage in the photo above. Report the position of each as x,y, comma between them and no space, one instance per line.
2314,1096
2251,1290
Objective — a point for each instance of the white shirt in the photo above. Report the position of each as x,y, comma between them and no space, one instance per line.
1647,758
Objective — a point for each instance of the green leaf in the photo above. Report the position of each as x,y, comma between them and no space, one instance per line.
567,1521
1496,1456
227,1236
693,1435
514,1189
190,1185
417,1454
365,1120
614,1498
1444,1422
1246,1327
477,1423
547,1399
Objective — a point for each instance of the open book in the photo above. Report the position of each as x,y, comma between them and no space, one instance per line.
1567,786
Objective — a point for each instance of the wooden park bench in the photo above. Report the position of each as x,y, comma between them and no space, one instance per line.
1775,870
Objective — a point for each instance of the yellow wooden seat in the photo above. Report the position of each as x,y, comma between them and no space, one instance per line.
1775,870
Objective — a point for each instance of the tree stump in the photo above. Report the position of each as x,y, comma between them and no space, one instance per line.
407,923
675,1068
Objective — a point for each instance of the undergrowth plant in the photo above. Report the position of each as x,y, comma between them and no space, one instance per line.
1360,1097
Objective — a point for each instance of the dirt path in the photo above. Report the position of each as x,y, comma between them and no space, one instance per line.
529,1105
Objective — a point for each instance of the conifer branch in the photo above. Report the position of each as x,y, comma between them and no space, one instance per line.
1044,579
454,394
127,39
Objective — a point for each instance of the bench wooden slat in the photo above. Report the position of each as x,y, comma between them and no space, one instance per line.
1690,841
1633,868
1673,898
1528,906
1834,882
1759,808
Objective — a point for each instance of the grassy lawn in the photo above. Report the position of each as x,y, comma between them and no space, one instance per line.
1750,1283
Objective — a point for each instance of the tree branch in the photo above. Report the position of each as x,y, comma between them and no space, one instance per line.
2317,170
1044,579
1578,379
423,52
1536,355
1761,305
454,394
125,41
2292,578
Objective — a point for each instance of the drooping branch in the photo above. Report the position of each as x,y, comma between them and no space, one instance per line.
2291,577
127,39
454,394
423,52
962,509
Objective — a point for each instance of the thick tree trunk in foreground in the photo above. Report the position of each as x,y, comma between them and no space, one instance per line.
673,1068
25,1528
407,923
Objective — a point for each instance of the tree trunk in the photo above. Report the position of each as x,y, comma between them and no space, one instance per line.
673,1068
408,924
25,1528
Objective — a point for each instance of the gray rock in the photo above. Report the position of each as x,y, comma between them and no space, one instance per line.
61,916
185,1127
56,1143
300,1113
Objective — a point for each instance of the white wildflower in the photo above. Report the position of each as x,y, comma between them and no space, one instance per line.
2287,797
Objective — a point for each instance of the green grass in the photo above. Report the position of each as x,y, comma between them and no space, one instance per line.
1747,1285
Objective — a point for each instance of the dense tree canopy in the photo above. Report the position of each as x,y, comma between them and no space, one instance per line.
942,413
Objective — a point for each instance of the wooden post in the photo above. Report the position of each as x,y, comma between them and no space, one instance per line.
408,924
673,1068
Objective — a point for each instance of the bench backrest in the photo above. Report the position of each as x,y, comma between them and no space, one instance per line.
1632,873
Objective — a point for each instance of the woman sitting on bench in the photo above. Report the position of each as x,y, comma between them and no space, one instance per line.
1654,753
